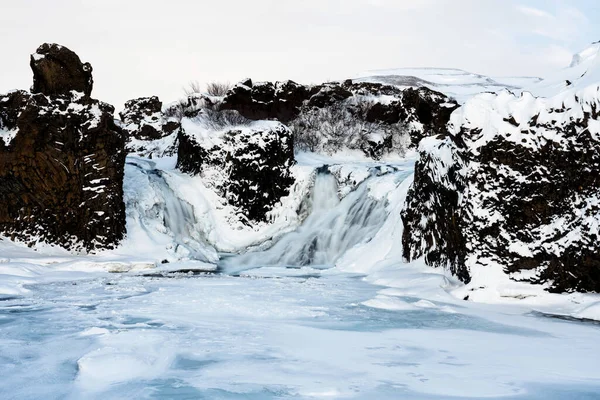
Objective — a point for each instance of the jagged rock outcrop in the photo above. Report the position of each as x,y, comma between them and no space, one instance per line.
266,100
514,187
61,158
143,119
57,71
248,165
375,119
335,117
433,225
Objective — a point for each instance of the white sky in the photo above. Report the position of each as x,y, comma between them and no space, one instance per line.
142,48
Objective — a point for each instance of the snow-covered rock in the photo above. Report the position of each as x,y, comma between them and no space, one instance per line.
512,188
368,118
143,119
61,158
249,164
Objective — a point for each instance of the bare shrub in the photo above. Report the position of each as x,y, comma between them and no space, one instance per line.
398,136
343,125
193,87
176,110
330,129
215,119
218,89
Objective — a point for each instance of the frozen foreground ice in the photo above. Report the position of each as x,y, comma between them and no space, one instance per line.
329,311
283,333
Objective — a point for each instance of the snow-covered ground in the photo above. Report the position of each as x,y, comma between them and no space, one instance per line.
284,334
456,83
317,302
584,71
329,311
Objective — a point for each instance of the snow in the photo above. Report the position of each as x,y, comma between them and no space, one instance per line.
8,135
458,84
583,71
128,336
590,312
317,302
359,323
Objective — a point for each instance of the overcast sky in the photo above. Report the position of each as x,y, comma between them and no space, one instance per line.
142,48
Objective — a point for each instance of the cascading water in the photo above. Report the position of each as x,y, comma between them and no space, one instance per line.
332,228
174,214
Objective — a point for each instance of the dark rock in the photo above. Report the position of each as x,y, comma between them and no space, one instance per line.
143,119
258,101
373,118
61,165
327,94
57,71
250,165
288,101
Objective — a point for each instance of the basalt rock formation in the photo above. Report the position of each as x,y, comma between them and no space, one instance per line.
513,187
248,165
143,119
57,71
266,100
61,158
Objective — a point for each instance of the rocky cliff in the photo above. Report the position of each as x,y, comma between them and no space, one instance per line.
513,187
61,158
335,117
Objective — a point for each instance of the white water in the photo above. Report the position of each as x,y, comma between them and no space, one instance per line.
332,227
163,212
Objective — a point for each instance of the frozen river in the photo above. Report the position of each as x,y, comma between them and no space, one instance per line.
282,333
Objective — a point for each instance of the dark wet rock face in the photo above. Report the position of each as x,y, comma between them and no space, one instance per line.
143,119
248,165
266,100
57,71
61,161
520,194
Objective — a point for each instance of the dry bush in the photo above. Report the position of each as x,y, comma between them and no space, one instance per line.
193,87
218,89
343,126
176,110
215,119
330,129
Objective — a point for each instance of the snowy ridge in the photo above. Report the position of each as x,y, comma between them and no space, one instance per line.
583,71
458,84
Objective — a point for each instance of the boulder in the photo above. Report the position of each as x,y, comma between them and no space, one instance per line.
248,165
143,119
61,160
57,71
266,100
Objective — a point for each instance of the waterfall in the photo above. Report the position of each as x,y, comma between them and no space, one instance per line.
332,227
164,212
